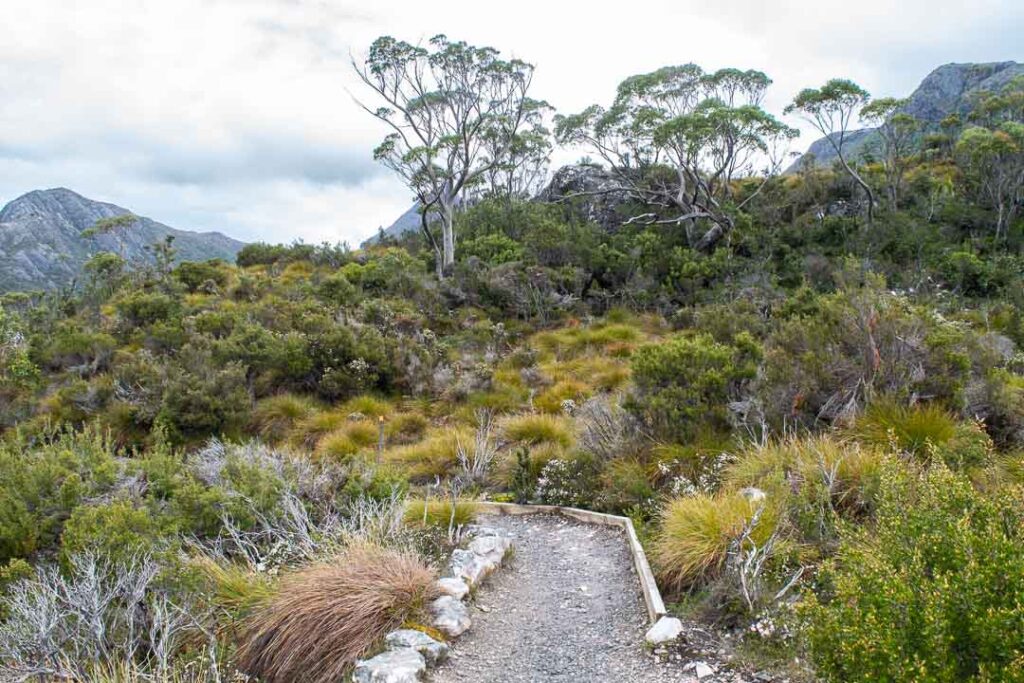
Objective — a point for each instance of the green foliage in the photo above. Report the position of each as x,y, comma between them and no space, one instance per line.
42,484
931,593
686,381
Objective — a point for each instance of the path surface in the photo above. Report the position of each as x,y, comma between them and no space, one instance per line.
566,608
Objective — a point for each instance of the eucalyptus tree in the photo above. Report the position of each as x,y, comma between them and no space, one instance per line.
523,165
832,109
896,129
455,112
705,129
993,163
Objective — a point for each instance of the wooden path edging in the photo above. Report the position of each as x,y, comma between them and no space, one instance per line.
652,596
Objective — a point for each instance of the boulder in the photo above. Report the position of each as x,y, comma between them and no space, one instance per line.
455,587
491,549
450,616
403,665
467,565
433,651
666,630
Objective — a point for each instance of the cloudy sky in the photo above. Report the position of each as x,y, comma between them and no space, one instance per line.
235,115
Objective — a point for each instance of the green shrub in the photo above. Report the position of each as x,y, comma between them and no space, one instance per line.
685,382
932,593
117,531
570,482
41,484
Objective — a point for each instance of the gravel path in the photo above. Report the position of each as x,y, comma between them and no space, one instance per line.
567,608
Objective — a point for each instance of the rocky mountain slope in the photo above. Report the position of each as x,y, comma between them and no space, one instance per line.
42,246
947,90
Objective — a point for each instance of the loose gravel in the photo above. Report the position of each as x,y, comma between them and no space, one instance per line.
566,608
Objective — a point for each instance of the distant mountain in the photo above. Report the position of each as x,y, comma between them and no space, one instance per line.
947,90
42,247
407,222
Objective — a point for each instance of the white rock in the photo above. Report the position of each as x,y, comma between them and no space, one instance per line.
700,669
450,616
703,671
393,666
473,568
753,494
490,548
666,630
455,587
432,650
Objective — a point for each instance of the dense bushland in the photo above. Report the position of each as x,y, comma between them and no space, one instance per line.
817,424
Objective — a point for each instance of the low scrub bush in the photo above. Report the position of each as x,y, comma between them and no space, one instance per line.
932,593
327,616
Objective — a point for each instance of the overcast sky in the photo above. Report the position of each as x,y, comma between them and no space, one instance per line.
233,115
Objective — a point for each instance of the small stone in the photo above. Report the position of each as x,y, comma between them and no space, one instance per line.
450,616
455,587
701,670
393,666
753,494
666,630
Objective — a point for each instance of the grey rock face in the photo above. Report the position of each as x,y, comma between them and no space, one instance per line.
949,89
42,247
392,666
433,651
591,190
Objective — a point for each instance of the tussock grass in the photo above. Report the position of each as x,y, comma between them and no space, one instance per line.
370,406
327,616
274,417
808,464
911,429
234,588
550,400
693,540
310,430
536,429
438,512
434,456
405,428
574,341
343,443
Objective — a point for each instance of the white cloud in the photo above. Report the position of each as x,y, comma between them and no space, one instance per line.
233,115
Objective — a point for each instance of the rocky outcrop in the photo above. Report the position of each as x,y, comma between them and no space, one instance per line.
949,89
43,247
591,191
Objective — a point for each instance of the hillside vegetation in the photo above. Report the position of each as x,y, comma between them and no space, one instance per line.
816,420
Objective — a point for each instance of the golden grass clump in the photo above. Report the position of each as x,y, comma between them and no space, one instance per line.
328,615
434,456
911,429
438,512
550,400
274,417
370,406
536,429
343,443
693,540
803,466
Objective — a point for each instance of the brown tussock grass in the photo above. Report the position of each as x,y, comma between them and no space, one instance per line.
326,616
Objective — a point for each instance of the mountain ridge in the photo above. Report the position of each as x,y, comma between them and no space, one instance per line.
946,90
43,246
